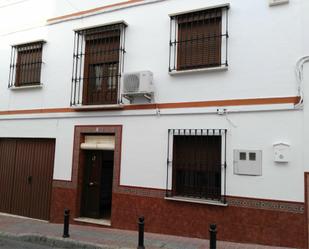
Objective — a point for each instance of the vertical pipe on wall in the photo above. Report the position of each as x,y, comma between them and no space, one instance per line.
225,137
226,35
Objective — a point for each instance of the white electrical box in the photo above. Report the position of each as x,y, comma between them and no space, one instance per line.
281,152
277,2
248,162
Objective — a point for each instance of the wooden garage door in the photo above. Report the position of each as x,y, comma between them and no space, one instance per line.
26,168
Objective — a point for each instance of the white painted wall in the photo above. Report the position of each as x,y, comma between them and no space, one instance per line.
264,46
144,147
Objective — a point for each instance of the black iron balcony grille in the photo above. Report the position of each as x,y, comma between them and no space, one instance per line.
97,65
196,164
25,64
199,40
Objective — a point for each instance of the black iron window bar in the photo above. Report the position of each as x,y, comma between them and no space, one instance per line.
198,169
199,39
98,61
25,65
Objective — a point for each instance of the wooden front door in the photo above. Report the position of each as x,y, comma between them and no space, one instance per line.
26,170
97,184
92,183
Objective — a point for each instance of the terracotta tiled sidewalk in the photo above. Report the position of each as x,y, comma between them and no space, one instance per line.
110,238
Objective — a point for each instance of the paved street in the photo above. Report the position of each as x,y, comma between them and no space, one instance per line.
30,230
14,244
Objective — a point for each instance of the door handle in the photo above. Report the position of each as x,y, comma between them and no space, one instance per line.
91,184
29,179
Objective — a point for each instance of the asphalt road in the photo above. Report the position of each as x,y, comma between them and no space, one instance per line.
14,244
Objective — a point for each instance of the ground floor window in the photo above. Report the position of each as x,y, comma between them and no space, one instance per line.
196,163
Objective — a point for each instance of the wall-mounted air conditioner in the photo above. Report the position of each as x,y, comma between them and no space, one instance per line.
138,84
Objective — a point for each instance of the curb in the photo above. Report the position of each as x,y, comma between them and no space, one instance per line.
56,241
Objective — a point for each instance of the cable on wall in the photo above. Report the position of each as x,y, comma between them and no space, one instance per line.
299,72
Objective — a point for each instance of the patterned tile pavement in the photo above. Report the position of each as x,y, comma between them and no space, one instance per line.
112,237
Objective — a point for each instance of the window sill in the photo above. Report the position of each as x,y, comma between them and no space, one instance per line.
199,201
13,88
97,107
208,69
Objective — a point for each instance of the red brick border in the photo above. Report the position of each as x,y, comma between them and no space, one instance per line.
271,222
236,224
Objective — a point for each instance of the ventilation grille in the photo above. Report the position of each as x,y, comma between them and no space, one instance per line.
131,83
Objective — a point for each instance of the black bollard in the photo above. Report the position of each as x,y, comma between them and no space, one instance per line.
66,223
141,224
213,236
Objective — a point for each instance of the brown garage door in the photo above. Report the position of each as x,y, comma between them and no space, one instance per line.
26,169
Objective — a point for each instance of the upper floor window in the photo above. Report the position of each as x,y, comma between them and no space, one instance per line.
199,39
97,67
26,63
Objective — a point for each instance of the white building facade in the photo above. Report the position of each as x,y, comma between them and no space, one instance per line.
185,112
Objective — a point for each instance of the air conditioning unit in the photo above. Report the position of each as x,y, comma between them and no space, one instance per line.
137,83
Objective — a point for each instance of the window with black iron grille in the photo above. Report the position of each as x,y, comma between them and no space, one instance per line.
97,65
26,64
196,165
199,39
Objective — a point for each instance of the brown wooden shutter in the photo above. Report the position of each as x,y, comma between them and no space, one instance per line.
199,39
102,50
197,166
28,64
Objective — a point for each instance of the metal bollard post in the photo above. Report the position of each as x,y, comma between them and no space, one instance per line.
66,223
141,224
213,236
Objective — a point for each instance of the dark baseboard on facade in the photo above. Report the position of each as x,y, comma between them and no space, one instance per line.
245,220
237,224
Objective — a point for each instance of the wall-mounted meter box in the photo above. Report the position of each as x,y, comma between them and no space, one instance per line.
281,152
248,162
277,2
